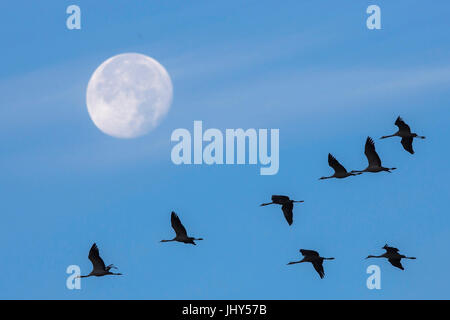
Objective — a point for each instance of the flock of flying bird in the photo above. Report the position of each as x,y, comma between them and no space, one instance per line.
374,165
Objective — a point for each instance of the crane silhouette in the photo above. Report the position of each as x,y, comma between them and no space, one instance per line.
287,205
180,231
339,171
372,158
316,260
393,256
404,131
98,266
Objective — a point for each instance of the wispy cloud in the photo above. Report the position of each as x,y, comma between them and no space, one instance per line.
238,84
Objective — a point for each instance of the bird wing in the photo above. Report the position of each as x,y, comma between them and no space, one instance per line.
319,268
332,162
94,256
180,230
287,210
407,144
371,154
402,126
306,253
280,199
390,249
396,263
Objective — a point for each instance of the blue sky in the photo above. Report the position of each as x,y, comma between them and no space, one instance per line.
311,69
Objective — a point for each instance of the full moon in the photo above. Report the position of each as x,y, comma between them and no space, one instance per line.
128,95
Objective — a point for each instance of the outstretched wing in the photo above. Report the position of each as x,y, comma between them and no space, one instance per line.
407,144
180,230
319,268
306,253
94,256
332,162
371,154
287,210
390,249
396,263
280,199
402,126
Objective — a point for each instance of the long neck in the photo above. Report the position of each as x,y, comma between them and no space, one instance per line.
167,240
328,258
375,256
266,204
392,135
323,178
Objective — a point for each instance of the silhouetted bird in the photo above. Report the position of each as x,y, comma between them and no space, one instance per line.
180,231
287,205
339,170
373,159
98,266
316,260
393,256
405,133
